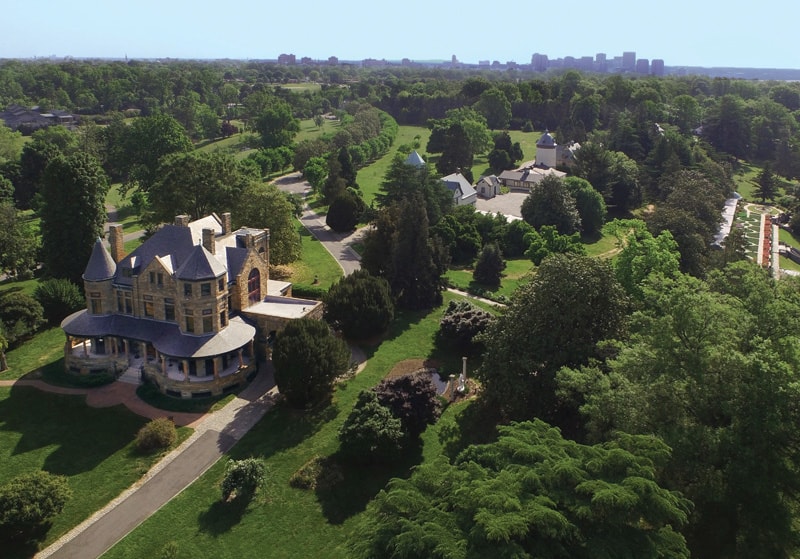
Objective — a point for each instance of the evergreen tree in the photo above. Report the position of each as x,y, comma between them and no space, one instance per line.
73,214
360,305
766,184
490,265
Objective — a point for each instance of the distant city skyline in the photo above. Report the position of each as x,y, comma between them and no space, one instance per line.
682,32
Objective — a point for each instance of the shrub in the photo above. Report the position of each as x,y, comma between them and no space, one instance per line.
307,359
412,399
156,434
461,323
21,315
29,501
243,477
371,433
59,298
359,305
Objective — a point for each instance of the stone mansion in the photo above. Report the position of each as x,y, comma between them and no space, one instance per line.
192,308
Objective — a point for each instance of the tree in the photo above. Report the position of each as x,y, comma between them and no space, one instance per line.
59,298
708,369
461,324
359,305
414,276
3,348
307,359
589,203
490,265
495,107
344,212
276,125
19,244
156,434
21,316
195,183
137,150
766,184
263,206
550,203
556,319
726,125
413,400
642,255
403,181
30,501
73,214
371,433
315,171
531,493
242,477
547,241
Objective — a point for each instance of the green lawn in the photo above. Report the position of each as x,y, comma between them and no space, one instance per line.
515,273
527,141
44,349
291,522
316,261
370,177
309,130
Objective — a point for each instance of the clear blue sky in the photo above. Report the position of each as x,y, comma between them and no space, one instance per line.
682,32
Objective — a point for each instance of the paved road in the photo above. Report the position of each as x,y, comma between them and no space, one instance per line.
337,244
214,436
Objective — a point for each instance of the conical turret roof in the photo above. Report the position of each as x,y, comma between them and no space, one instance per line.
101,266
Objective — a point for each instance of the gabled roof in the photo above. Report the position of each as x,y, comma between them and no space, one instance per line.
101,266
415,159
457,181
200,265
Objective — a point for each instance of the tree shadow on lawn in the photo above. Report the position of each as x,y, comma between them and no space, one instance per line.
281,428
222,516
357,485
83,437
24,546
473,423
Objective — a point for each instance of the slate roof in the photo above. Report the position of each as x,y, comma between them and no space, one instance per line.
166,337
457,181
200,265
546,141
415,159
101,266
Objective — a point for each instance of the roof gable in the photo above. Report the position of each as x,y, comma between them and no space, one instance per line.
200,265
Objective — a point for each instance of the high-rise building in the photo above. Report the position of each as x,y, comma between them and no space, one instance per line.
657,67
629,61
539,62
642,66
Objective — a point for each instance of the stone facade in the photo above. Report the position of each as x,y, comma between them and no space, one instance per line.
190,308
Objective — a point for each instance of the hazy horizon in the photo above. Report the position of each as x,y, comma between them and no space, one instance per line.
684,33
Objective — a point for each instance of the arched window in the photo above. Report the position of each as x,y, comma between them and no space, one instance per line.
254,286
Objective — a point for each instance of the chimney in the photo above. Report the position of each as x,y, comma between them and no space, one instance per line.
117,242
182,220
226,223
208,240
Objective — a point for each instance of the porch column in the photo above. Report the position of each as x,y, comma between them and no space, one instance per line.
215,361
85,350
241,358
143,346
185,365
251,349
163,365
127,347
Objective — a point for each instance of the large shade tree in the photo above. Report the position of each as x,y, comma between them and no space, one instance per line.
530,494
263,206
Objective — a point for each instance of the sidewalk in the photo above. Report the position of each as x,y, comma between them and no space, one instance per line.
214,435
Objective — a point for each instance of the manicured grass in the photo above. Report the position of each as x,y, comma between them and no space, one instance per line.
514,275
370,177
603,246
789,238
309,130
132,245
235,144
315,262
527,141
114,196
60,434
45,348
27,286
291,522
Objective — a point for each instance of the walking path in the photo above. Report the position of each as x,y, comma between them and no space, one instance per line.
337,244
213,437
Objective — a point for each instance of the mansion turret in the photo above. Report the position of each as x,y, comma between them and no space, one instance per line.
192,308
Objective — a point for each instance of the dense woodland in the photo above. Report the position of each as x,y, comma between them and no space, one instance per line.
646,405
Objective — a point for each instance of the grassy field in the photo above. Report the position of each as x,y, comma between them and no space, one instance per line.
316,261
370,177
514,275
292,522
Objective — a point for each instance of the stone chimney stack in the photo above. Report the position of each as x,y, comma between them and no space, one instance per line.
117,242
226,223
182,220
208,240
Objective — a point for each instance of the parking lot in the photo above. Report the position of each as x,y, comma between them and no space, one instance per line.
506,204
